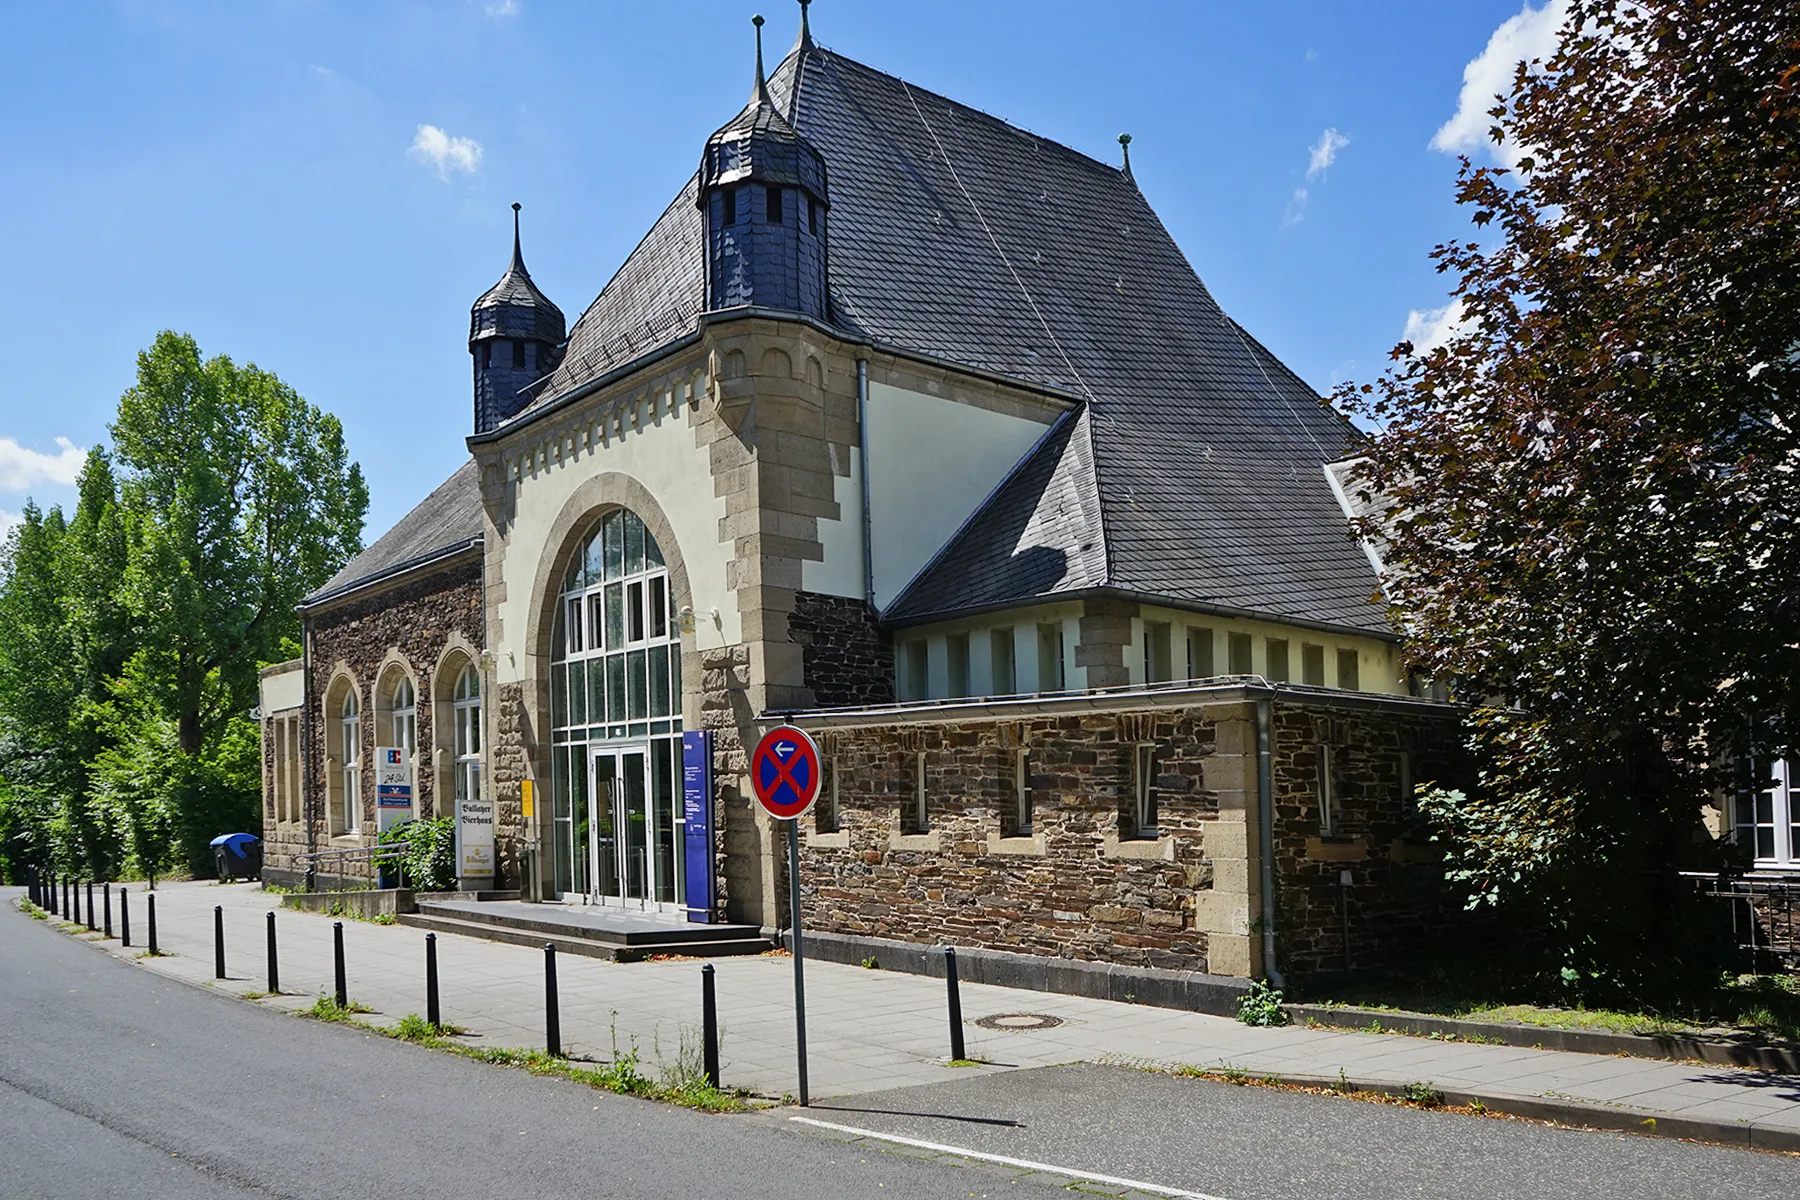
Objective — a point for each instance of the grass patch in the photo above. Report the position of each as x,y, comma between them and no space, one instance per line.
967,1062
326,1008
156,954
31,910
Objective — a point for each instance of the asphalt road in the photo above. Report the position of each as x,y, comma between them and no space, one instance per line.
117,1082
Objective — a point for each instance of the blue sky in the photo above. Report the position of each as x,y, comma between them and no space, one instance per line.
323,187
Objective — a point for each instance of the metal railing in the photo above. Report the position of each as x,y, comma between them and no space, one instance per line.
1765,915
375,856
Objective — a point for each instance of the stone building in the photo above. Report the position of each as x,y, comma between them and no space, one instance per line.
918,430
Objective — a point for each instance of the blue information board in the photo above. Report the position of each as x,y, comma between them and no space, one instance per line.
697,837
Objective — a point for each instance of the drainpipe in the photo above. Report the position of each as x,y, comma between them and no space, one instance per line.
862,458
1265,815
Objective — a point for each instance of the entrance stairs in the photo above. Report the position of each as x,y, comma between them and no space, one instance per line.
591,931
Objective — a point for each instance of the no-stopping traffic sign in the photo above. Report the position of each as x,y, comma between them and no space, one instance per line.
784,772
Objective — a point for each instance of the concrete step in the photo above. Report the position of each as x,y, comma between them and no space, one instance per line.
568,942
622,929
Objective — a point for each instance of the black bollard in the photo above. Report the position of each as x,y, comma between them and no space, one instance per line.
274,963
31,888
151,901
68,913
432,1013
106,906
90,907
337,950
956,1028
124,920
552,1018
709,1026
218,941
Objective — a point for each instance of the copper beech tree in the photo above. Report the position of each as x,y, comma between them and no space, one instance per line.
1588,498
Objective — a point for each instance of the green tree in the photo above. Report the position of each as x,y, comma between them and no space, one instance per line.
1591,494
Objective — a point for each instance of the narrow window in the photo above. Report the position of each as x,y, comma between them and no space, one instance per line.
487,354
1143,786
1000,653
825,809
1409,795
1200,653
730,197
1327,793
1312,664
1021,822
1237,654
914,817
1050,658
774,217
1348,674
914,666
350,755
1278,660
519,353
404,707
1157,655
812,216
956,648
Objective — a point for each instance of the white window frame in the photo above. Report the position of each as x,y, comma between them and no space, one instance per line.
350,751
1327,792
1022,792
1143,789
1783,795
404,706
465,708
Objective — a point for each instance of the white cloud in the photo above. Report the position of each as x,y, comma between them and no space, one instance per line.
501,8
22,469
445,153
1427,329
1531,34
1324,152
9,521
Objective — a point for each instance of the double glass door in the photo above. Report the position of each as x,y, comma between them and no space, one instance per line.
632,826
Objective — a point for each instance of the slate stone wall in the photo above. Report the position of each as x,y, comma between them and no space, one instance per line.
846,659
418,619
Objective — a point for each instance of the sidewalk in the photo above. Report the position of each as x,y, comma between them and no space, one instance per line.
874,1030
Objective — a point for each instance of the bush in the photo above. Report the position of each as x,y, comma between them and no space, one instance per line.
1261,1005
429,864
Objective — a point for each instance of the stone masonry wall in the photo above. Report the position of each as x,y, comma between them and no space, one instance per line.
1070,889
1397,908
418,619
846,660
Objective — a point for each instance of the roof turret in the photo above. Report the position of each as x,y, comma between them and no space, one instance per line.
760,144
514,307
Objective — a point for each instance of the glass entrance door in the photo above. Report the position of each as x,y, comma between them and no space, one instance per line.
624,870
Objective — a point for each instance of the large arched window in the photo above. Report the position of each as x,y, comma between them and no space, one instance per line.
350,763
466,720
404,709
615,703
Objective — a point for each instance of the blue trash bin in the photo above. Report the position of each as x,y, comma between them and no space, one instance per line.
237,856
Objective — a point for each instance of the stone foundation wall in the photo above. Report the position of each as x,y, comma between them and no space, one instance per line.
846,660
418,620
1070,888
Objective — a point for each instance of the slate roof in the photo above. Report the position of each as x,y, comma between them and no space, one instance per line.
514,307
1194,470
448,519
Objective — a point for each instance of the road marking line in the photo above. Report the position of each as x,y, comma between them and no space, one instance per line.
1003,1160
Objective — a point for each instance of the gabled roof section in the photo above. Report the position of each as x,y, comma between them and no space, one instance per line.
448,519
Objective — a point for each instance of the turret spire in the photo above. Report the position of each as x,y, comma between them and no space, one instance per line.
759,95
1125,144
805,41
518,262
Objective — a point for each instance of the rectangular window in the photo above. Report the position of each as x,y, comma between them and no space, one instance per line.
1237,654
1766,811
812,216
1278,660
825,808
1050,658
634,612
956,648
1000,656
730,197
1348,674
1200,653
774,215
1158,667
1021,806
1409,794
1143,787
914,817
1312,664
1327,793
914,665
519,353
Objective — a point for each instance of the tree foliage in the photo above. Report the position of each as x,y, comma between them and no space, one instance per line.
131,634
1591,493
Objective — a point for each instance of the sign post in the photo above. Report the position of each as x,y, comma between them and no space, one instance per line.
784,775
393,788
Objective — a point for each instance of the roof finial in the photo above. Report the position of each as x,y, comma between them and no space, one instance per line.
518,262
761,93
805,42
1125,144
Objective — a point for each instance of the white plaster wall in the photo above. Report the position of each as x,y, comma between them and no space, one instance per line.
1024,623
841,571
1378,668
660,453
931,461
284,690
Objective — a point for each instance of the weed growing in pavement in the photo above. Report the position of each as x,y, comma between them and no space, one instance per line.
326,1008
157,954
1261,1005
1422,1094
31,910
869,963
689,1066
414,1028
1343,1081
1234,1075
967,1062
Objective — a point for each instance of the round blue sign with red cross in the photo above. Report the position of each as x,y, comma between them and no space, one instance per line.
784,772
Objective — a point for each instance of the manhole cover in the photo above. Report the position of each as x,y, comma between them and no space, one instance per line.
1019,1022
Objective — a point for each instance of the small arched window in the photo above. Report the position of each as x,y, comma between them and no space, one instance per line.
350,759
404,706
